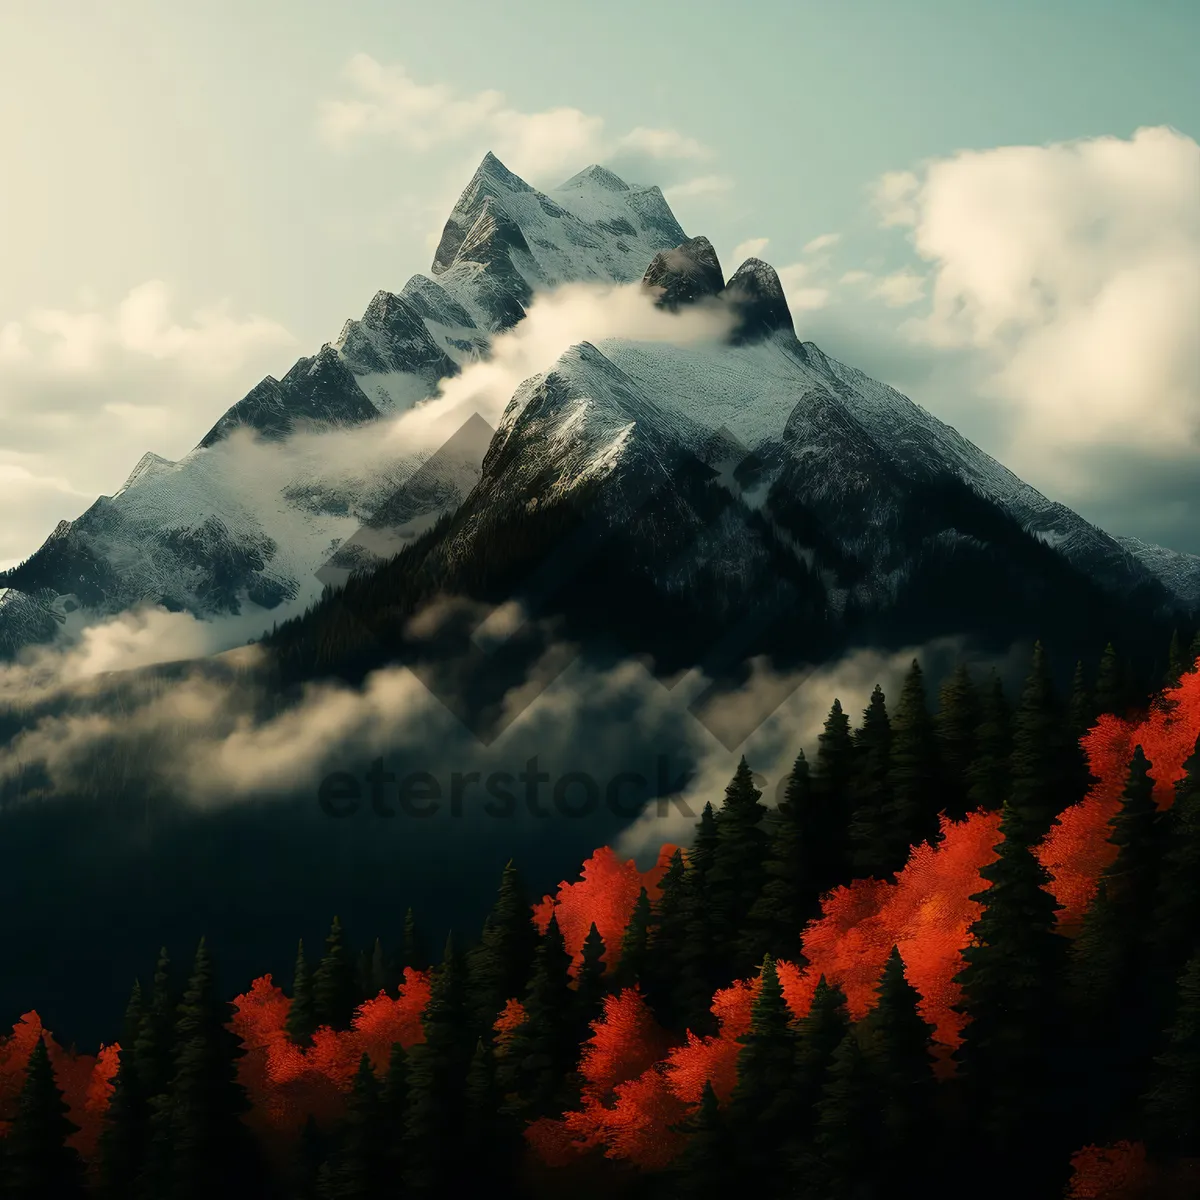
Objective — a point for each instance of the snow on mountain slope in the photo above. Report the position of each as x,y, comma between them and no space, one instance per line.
1179,572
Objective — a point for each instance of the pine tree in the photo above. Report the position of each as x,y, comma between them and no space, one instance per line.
1177,662
761,1107
633,965
38,1164
913,771
705,847
849,1133
202,1146
414,952
436,1080
542,1051
832,780
955,726
1172,1105
301,1018
1110,693
153,1049
989,775
1044,779
897,1042
590,985
311,1156
735,877
1080,709
706,1167
123,1136
872,849
393,1108
334,987
356,1169
499,966
373,972
1010,987
789,898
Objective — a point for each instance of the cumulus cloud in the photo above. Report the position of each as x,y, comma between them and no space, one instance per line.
900,288
386,101
1072,273
823,242
750,248
799,288
84,391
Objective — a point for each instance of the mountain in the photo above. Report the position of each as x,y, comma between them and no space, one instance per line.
212,536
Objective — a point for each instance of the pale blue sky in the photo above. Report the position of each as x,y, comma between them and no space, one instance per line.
175,142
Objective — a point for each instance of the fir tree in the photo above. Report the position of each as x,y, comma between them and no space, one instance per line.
632,966
849,1132
705,846
393,1108
413,952
153,1049
334,987
38,1164
1177,662
311,1156
436,1079
356,1169
872,848
590,989
913,772
301,1018
789,898
541,1053
706,1167
123,1136
832,780
1010,987
499,966
989,775
1172,1105
1110,693
955,725
735,877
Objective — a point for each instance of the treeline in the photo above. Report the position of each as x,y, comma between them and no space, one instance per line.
1066,1043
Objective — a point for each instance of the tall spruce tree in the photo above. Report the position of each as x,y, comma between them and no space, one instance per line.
590,985
849,1135
355,1170
705,846
301,1020
989,774
37,1162
335,988
154,1048
955,726
832,780
499,966
789,897
413,951
122,1145
437,1072
707,1167
393,1109
1110,693
1010,996
676,974
735,877
537,1079
913,771
633,965
872,848
1177,662
1172,1104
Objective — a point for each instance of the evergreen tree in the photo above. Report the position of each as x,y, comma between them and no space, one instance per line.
356,1169
436,1079
1177,662
706,1167
1044,774
848,1128
705,847
897,1043
633,965
153,1049
1110,694
1010,986
414,952
1172,1105
989,775
590,989
123,1136
955,726
38,1164
832,780
373,972
499,966
393,1109
202,1146
311,1156
872,849
789,898
1080,709
334,986
761,1107
541,1054
302,1017
913,772
735,877
491,1143
675,978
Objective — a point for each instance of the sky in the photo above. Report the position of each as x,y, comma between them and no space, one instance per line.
994,208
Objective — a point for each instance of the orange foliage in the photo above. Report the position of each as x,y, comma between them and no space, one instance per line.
605,895
625,1041
511,1018
1107,1173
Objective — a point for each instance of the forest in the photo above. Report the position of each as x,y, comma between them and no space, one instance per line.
960,956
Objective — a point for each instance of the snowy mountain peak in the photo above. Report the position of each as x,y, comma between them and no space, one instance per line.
757,296
598,175
685,273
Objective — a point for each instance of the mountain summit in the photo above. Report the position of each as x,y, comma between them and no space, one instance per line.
880,504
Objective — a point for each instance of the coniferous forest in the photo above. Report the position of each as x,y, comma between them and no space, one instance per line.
957,955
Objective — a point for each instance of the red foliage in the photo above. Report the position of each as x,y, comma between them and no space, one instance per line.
1107,1173
511,1017
625,1041
604,894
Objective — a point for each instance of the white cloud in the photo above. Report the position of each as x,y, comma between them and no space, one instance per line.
702,185
900,289
1072,272
853,277
801,296
750,248
824,242
85,391
388,102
